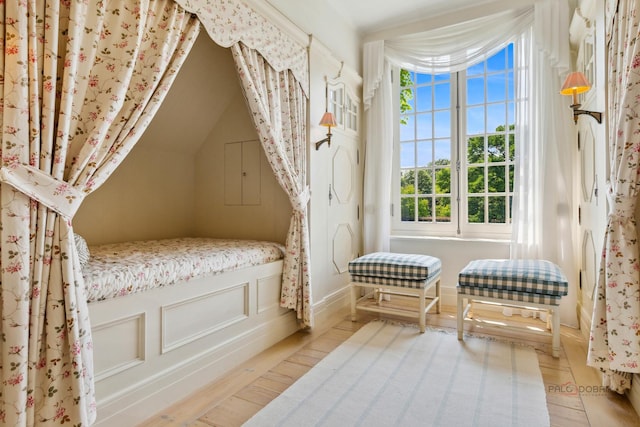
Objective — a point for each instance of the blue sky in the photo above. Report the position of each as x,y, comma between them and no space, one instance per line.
437,105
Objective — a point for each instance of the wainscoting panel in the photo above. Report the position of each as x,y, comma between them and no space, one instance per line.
129,334
269,293
188,320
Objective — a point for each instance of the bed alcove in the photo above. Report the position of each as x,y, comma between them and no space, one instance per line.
172,184
149,351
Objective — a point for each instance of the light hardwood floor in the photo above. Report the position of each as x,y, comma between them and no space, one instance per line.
574,395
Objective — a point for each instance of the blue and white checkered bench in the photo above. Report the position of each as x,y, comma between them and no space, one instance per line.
395,274
519,283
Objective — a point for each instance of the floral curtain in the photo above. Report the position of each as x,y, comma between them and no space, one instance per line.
228,22
81,81
614,345
278,104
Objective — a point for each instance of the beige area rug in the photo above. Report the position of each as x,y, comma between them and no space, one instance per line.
391,375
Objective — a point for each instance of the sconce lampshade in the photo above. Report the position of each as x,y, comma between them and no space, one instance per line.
328,120
575,83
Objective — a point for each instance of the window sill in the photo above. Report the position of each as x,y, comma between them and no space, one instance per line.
406,237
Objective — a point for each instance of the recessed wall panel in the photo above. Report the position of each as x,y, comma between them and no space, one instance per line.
188,320
118,345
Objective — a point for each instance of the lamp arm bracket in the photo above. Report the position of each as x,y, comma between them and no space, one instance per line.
595,114
327,140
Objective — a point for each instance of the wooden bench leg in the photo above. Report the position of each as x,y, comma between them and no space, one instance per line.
460,316
555,330
439,303
423,314
354,298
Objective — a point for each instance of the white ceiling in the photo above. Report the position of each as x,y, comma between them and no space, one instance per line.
375,15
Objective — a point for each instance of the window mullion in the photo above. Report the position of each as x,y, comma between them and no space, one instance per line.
456,140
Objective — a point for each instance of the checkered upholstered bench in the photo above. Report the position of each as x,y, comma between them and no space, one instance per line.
520,283
395,274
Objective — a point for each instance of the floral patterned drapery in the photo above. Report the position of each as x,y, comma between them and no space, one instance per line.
81,81
614,345
278,105
231,21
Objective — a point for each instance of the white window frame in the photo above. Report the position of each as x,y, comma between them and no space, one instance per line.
458,227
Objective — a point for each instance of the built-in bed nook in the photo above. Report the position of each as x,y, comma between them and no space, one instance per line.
185,247
154,203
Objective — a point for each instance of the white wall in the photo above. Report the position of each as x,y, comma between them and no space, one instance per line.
320,20
454,254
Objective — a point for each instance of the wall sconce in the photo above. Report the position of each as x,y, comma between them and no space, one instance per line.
327,120
574,84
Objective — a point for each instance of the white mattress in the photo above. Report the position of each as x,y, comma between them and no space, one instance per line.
126,268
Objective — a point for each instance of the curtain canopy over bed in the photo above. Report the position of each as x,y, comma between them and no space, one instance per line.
81,82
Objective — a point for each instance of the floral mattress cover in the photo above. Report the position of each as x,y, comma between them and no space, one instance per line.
126,268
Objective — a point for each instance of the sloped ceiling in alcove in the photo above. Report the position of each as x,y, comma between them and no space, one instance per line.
206,84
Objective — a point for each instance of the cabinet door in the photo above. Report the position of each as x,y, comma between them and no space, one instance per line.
251,172
242,173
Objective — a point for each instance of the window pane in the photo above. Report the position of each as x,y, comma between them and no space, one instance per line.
475,120
497,209
443,152
475,180
475,69
475,209
511,113
496,117
407,128
442,124
443,95
442,77
497,62
424,78
407,101
425,182
510,209
423,95
411,76
443,209
407,182
496,88
424,126
408,209
512,146
496,179
407,155
475,91
339,116
425,157
443,181
511,174
511,92
424,209
495,148
475,149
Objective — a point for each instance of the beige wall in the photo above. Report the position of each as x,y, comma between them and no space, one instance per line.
170,183
270,219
